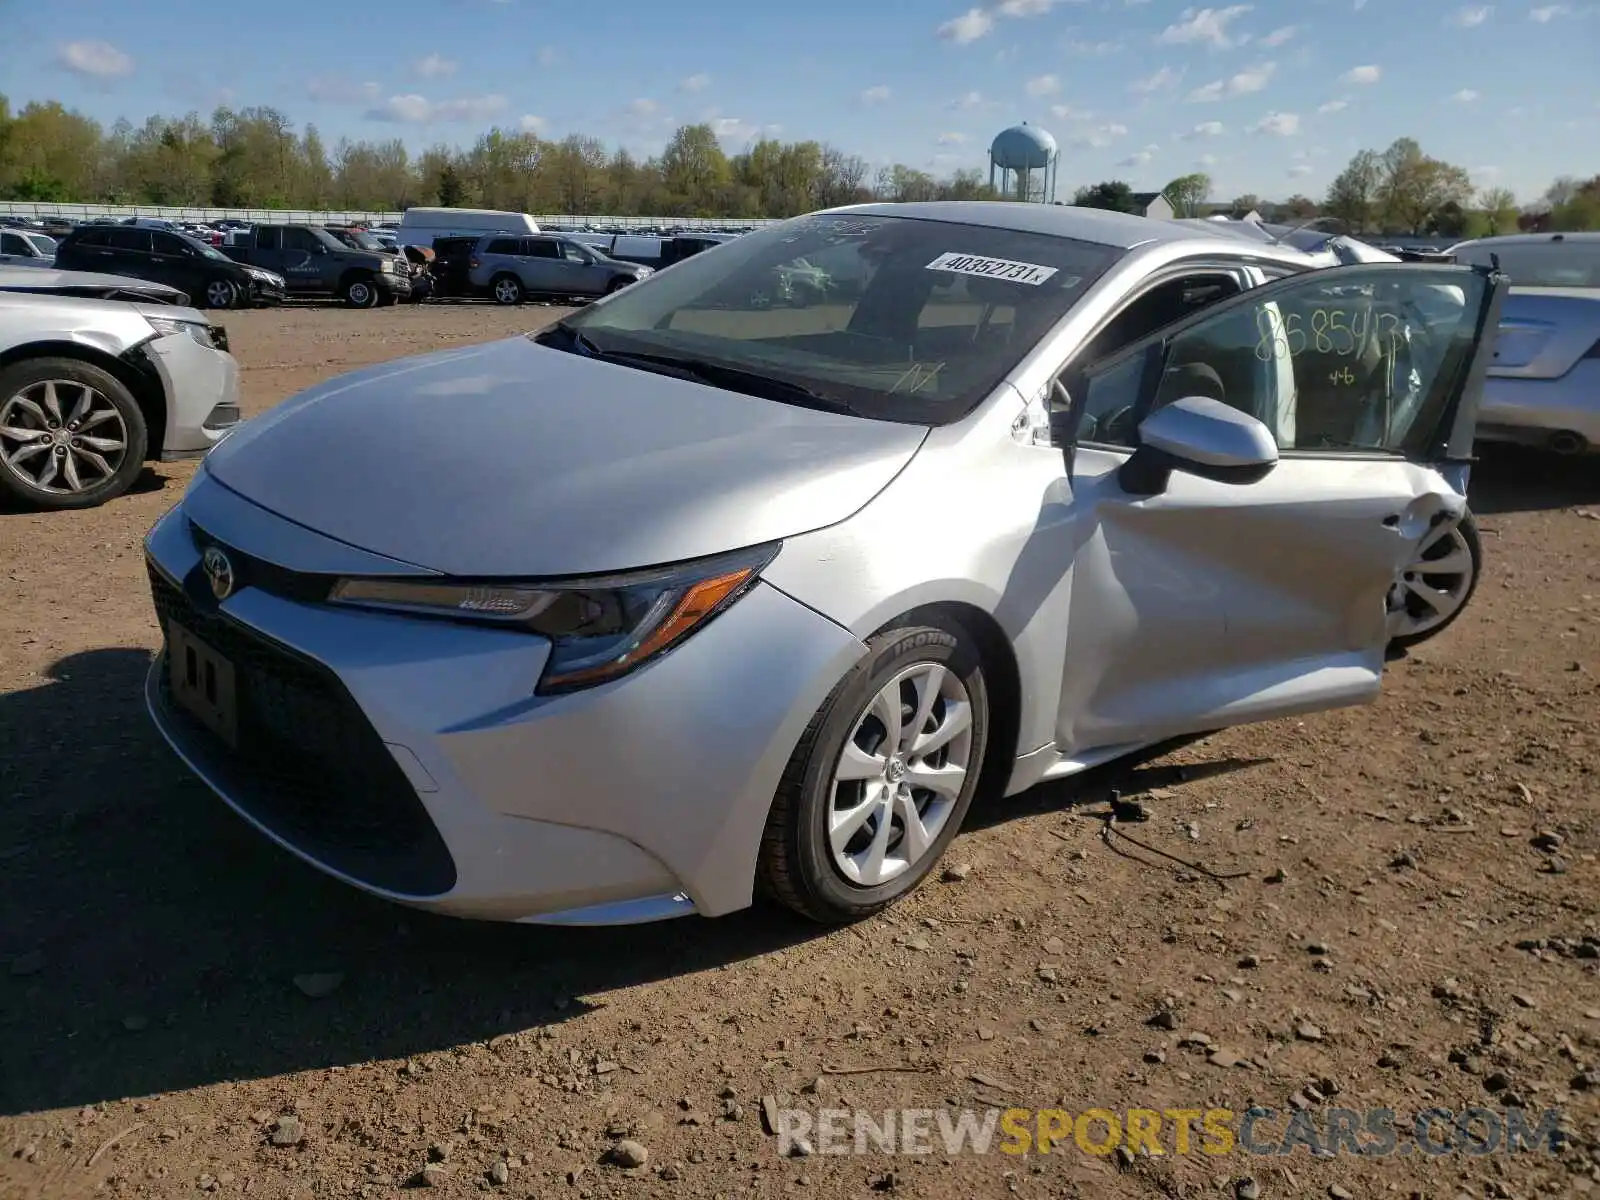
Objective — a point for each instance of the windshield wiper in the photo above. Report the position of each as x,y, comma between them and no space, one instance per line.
734,379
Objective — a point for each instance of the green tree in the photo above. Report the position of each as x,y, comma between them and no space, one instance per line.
1112,194
695,170
1188,193
1498,206
1353,195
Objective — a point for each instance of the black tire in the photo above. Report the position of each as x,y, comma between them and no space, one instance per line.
795,865
360,291
22,375
507,289
221,293
617,284
1468,527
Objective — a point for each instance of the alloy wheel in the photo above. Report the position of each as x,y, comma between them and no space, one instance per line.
62,437
900,775
219,293
506,291
1433,586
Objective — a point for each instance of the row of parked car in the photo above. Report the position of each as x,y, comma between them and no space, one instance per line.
460,253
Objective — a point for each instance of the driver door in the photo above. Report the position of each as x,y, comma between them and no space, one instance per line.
1215,603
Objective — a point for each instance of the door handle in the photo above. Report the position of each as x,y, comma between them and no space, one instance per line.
1392,520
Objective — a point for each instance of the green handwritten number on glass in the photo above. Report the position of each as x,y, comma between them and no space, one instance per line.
1272,342
1342,376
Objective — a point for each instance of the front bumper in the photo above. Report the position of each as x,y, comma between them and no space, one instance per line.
201,385
411,759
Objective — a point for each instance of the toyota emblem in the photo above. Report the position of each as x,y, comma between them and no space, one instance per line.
219,570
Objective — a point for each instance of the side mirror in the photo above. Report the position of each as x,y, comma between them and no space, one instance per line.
1198,436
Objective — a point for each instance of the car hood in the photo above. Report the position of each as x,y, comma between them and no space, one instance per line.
513,459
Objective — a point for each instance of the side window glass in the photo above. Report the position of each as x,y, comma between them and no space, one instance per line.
542,248
504,246
131,239
1109,414
268,237
1358,360
572,254
302,240
10,243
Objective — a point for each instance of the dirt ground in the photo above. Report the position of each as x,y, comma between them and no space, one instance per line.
1415,927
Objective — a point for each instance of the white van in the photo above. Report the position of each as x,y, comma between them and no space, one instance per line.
419,226
1538,259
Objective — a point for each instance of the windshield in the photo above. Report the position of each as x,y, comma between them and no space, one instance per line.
895,318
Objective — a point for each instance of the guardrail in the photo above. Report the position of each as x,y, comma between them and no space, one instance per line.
305,216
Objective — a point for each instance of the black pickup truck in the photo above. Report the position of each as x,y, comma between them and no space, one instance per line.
315,263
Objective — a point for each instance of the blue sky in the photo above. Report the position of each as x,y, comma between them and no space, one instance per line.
1270,97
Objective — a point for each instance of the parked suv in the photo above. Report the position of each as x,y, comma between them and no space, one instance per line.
209,277
316,263
545,266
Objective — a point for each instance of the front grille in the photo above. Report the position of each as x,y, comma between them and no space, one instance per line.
308,764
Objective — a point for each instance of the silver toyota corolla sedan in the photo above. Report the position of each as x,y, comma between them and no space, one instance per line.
694,593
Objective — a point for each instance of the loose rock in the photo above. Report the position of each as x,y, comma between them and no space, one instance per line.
629,1154
287,1131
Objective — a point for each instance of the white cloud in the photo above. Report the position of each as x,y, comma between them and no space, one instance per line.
332,90
94,60
1025,8
435,67
1333,106
1252,79
1546,13
1299,172
642,107
532,124
1090,49
412,109
1280,124
1364,74
968,27
697,82
1464,96
1207,160
1279,36
1043,85
951,139
1066,112
1204,130
1164,78
1206,26
1471,16
968,100
1102,136
1139,158
732,129
875,95
546,57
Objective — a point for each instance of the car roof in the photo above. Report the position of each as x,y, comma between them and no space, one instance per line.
1121,230
1530,239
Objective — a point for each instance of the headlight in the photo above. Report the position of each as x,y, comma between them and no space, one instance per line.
198,330
599,628
392,265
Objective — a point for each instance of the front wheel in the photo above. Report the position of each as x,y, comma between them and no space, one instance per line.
617,284
1433,588
882,778
71,434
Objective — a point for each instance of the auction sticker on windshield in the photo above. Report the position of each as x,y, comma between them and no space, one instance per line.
992,268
